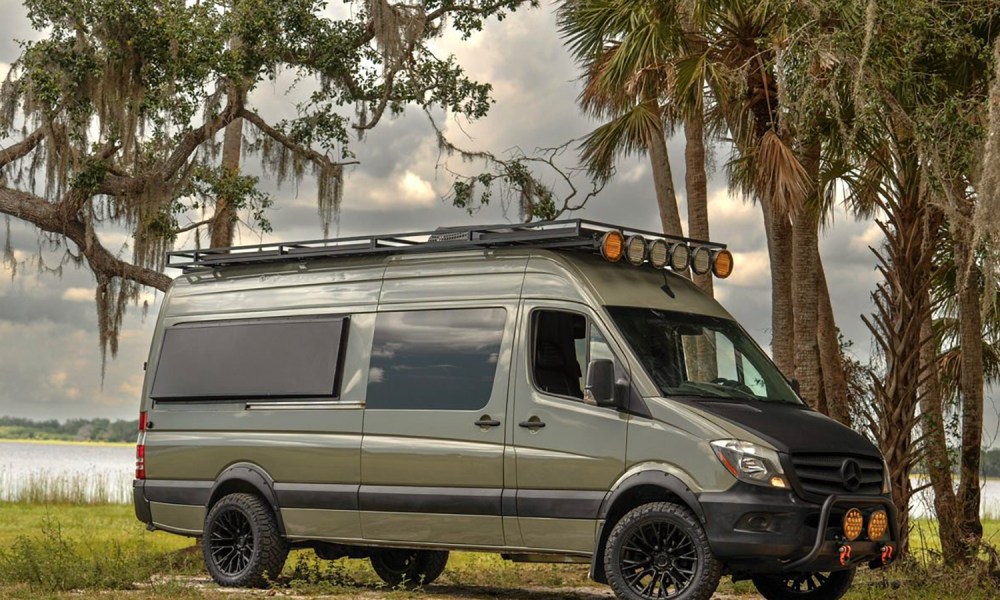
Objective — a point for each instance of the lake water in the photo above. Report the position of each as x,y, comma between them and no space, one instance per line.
66,471
105,472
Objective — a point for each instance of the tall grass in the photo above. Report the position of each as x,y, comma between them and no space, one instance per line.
47,487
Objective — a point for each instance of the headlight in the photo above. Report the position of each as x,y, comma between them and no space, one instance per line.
751,463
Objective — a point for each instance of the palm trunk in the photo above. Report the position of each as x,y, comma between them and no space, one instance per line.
971,382
805,294
831,359
663,182
936,447
779,250
696,183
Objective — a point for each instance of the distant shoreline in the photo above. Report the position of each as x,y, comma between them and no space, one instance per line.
66,442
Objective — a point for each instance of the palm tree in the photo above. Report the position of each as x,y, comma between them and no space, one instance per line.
624,48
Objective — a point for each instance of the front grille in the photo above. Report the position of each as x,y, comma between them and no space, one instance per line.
822,474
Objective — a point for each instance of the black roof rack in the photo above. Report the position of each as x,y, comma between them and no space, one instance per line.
565,234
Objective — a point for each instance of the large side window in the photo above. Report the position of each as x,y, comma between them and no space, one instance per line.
435,359
563,344
250,358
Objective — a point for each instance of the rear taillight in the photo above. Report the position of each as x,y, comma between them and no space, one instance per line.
140,461
140,448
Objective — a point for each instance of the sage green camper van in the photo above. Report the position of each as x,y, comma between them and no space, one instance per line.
550,392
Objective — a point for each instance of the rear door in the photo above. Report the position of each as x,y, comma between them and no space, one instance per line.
433,444
568,453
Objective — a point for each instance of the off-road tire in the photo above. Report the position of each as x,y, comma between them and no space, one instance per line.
242,545
666,561
408,568
825,586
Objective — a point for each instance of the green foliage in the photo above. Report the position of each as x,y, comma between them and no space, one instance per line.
95,430
49,561
221,184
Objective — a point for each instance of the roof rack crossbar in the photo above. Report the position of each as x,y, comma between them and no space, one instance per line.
569,233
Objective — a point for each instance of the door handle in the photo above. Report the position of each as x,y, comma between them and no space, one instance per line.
486,421
532,423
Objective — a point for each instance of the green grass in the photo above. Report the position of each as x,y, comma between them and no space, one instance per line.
102,551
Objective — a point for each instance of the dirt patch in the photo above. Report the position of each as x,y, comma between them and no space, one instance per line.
432,592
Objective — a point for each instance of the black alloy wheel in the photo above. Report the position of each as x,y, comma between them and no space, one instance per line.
804,586
660,551
242,545
408,568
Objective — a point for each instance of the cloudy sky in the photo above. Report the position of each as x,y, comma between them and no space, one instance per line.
49,356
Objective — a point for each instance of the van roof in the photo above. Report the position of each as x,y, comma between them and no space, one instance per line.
572,234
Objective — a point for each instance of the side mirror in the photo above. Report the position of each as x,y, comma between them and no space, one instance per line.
601,383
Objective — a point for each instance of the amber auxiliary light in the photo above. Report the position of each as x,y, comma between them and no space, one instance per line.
878,525
612,245
854,523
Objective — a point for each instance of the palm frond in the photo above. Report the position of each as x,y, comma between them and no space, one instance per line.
627,134
779,176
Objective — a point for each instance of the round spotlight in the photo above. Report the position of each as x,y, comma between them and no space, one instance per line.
878,525
680,257
853,523
701,260
612,245
722,265
659,252
635,250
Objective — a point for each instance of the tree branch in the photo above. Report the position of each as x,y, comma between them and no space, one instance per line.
22,148
115,185
303,151
53,219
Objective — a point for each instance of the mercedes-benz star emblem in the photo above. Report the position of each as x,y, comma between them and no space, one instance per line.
850,473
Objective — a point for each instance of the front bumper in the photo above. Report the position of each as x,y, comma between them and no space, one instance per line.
759,530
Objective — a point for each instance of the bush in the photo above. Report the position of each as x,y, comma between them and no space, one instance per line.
49,561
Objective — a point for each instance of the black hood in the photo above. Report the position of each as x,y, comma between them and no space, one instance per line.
790,428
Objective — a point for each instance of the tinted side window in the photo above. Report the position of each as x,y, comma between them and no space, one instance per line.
260,358
435,359
564,343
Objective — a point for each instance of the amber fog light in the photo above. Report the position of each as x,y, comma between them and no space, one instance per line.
878,525
854,522
613,245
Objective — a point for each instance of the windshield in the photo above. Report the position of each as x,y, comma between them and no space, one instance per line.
705,357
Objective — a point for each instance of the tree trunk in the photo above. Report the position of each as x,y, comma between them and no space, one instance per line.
831,359
971,382
663,181
224,221
901,308
696,184
779,251
936,447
